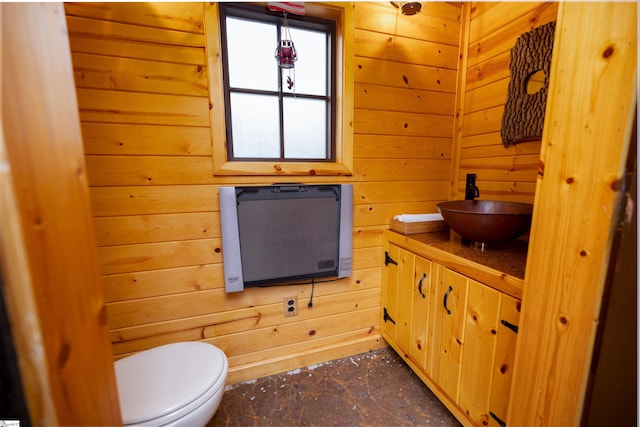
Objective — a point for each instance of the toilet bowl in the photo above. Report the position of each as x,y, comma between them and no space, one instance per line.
179,384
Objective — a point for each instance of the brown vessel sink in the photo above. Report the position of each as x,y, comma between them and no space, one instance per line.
487,221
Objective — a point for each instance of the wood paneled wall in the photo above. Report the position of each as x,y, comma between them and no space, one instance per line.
405,81
141,78
503,173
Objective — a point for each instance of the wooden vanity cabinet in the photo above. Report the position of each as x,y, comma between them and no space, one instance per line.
456,333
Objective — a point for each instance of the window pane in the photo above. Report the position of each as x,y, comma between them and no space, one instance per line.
255,126
266,120
310,70
305,128
251,54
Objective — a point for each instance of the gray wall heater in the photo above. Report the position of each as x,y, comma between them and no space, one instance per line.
281,234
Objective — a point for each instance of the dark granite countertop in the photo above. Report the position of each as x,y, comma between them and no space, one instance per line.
509,257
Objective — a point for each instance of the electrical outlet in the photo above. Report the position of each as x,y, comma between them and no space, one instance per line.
290,306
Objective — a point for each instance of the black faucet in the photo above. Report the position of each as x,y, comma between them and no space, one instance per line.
471,191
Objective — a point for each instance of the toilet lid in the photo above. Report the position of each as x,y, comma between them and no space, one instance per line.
156,382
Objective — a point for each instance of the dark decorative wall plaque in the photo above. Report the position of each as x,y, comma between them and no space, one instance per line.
530,65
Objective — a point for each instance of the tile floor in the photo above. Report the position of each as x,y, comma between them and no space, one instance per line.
370,389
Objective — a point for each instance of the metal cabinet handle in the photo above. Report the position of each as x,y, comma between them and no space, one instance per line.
446,295
424,276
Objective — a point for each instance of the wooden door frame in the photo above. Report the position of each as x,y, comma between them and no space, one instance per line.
48,254
588,122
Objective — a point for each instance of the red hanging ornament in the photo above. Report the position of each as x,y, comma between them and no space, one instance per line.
286,54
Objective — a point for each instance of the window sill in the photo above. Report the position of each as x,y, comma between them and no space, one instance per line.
283,169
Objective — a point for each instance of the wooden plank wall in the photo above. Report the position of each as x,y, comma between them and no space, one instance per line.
141,78
405,83
503,173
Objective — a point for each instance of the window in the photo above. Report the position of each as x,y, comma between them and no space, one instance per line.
260,125
276,113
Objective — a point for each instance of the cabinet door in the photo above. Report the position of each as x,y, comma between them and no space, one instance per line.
420,312
453,296
480,337
504,359
397,295
406,266
390,289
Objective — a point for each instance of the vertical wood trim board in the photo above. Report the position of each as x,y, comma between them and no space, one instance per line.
44,151
461,89
587,130
20,298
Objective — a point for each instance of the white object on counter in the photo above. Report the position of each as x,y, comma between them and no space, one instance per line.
418,217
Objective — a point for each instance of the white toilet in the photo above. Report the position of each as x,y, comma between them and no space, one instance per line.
179,384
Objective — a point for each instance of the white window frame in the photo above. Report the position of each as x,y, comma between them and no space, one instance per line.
342,13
